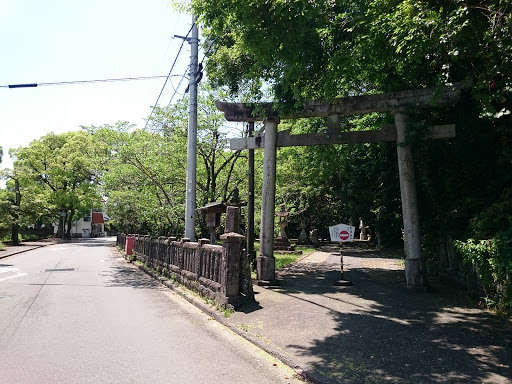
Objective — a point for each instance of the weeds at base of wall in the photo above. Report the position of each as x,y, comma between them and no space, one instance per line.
226,309
244,327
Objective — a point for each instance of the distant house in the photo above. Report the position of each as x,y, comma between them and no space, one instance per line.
98,224
89,226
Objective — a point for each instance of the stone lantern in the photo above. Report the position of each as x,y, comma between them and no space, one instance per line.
303,237
283,222
213,212
282,242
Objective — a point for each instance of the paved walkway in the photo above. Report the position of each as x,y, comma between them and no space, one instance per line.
376,331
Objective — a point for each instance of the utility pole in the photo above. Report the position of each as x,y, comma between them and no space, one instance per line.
17,203
190,207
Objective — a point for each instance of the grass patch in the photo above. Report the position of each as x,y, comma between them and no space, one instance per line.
3,247
305,249
283,260
392,253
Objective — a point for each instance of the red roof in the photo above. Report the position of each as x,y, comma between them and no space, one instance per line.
97,218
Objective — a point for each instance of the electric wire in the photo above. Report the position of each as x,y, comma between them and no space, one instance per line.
200,65
166,80
184,76
33,85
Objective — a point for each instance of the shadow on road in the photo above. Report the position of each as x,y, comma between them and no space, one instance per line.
123,276
94,242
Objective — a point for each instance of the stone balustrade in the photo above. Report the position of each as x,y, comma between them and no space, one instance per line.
214,271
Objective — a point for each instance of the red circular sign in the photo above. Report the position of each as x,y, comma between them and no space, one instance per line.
344,235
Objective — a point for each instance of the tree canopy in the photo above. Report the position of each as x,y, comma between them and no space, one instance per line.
325,49
145,171
59,172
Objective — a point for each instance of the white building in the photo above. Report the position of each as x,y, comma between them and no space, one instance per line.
89,226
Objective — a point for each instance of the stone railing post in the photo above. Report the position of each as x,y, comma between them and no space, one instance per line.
232,219
200,243
140,247
232,244
167,252
153,244
161,251
181,257
147,246
136,247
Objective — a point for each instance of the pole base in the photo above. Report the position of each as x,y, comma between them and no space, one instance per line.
342,283
267,283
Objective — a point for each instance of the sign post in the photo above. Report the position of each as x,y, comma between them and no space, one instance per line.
63,214
341,233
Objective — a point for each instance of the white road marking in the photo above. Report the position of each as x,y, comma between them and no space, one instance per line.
15,270
14,276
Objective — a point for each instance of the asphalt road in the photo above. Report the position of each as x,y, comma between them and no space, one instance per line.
77,313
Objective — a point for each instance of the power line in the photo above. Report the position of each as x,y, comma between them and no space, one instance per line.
200,71
33,85
177,88
166,80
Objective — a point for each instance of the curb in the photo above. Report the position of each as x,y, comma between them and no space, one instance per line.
30,248
309,375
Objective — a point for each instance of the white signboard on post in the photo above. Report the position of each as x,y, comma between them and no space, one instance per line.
342,232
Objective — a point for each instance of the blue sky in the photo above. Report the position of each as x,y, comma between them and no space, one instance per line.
68,40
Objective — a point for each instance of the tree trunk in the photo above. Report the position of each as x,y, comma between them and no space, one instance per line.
15,234
69,218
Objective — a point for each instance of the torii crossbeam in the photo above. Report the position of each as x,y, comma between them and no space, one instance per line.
395,103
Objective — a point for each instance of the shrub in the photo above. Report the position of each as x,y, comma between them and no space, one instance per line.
8,238
493,262
29,237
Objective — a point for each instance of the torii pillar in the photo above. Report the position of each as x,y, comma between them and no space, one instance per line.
266,266
415,269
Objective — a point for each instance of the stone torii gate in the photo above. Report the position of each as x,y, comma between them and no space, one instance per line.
395,103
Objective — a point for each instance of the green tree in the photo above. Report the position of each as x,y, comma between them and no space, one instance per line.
65,172
23,202
219,170
324,49
143,178
145,182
